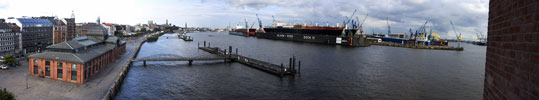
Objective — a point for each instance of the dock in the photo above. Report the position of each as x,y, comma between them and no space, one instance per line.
279,70
418,46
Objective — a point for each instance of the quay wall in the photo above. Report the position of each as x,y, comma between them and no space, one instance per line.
115,88
512,59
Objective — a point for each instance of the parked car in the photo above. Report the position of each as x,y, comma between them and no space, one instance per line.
4,67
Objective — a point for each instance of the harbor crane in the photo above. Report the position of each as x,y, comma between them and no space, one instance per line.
388,27
361,24
458,35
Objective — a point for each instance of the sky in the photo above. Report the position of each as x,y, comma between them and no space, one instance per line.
469,16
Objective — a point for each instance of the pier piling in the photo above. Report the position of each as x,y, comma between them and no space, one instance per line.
294,64
144,63
190,62
299,67
204,43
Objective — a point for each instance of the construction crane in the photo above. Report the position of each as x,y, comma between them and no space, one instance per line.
458,35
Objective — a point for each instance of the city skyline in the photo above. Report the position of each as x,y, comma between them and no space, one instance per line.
469,16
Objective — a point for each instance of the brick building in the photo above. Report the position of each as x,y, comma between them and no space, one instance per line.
512,65
78,59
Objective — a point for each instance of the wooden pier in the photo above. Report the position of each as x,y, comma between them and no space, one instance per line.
279,70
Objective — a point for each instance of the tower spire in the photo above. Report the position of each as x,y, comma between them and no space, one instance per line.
72,14
98,20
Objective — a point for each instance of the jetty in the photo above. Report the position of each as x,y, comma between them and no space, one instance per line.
419,46
279,70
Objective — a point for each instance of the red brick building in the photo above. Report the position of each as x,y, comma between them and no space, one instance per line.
76,60
512,65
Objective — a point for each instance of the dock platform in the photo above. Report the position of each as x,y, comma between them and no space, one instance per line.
279,70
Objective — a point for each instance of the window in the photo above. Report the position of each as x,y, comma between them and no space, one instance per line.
60,71
47,71
74,75
74,72
35,69
47,63
36,66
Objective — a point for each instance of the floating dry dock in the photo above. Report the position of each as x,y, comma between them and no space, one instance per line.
278,70
418,46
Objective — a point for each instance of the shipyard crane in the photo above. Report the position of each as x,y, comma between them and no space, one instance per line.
458,35
361,24
388,27
246,24
273,24
260,27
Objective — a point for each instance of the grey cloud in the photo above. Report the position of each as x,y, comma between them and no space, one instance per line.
404,14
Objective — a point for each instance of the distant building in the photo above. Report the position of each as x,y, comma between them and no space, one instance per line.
8,35
59,32
78,59
71,28
111,28
36,34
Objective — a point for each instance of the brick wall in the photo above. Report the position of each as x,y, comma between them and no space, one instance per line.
512,65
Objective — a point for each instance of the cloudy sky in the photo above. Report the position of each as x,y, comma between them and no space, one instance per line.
469,16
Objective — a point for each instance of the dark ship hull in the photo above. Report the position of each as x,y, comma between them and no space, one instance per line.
323,35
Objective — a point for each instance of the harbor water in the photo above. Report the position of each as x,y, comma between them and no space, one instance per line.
327,71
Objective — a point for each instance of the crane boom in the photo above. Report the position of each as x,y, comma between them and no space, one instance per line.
456,34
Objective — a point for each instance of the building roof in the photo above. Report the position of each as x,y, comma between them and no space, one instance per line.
96,48
79,57
4,26
29,22
78,42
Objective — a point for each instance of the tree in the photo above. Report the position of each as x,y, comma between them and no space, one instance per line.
119,27
5,95
156,29
9,60
143,29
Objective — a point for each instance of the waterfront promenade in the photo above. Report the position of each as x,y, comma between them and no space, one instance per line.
14,80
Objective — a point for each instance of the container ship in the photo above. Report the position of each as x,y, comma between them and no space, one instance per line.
315,34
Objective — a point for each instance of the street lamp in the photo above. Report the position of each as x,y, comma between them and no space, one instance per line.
27,86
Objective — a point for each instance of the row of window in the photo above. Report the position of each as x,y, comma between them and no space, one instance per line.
36,30
7,34
59,72
6,48
6,39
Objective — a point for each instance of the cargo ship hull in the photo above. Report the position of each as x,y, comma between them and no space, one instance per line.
322,36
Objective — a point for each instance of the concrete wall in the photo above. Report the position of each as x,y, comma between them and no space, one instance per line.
512,65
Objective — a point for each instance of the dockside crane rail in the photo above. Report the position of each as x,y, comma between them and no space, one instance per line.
458,35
